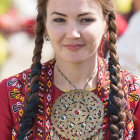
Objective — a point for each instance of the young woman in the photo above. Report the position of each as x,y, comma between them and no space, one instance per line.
77,95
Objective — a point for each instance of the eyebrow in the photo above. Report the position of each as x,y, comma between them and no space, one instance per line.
61,14
57,13
84,14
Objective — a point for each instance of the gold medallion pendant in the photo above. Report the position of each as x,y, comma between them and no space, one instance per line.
77,114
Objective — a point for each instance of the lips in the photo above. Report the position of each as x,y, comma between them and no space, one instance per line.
74,46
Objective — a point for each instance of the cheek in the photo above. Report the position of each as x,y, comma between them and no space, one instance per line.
92,37
55,34
94,34
93,40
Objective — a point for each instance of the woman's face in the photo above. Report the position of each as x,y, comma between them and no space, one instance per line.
75,28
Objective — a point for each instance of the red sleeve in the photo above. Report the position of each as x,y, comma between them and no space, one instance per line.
6,121
137,123
134,98
137,112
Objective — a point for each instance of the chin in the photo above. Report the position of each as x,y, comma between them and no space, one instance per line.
75,59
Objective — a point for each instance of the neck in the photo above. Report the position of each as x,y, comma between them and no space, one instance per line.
78,73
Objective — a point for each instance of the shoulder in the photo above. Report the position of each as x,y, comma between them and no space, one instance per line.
12,93
131,82
13,90
130,79
18,81
15,81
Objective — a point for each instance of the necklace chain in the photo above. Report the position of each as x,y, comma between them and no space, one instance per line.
71,82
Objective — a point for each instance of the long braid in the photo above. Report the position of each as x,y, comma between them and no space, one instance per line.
116,97
32,99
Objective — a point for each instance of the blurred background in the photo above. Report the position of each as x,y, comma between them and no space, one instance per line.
17,21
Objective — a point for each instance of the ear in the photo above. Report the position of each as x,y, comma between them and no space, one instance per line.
46,32
46,35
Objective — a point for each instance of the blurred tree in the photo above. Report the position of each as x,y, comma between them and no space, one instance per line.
123,6
4,6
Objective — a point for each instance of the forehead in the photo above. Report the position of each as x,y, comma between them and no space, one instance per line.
74,6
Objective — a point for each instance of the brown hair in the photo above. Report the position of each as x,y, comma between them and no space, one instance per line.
116,102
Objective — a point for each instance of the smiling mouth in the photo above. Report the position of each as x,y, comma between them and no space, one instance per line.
74,46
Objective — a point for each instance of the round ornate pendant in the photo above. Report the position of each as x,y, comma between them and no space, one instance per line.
77,114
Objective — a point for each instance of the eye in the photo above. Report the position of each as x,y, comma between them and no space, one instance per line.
87,20
59,20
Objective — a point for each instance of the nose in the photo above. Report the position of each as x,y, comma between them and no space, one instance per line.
73,31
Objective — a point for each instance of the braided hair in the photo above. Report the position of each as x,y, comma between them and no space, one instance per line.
116,104
116,97
32,99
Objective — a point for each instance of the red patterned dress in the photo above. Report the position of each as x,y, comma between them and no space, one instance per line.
14,89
